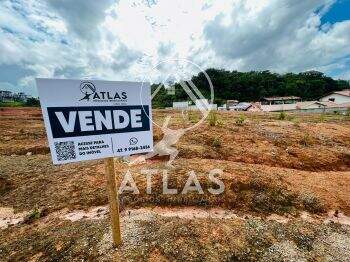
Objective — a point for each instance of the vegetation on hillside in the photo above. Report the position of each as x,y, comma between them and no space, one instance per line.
252,86
30,102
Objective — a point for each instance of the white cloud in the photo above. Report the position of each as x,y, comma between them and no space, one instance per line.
277,35
82,16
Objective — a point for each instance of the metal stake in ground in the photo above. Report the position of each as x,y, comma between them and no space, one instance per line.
113,200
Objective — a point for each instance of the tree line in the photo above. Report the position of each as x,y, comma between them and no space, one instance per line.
252,86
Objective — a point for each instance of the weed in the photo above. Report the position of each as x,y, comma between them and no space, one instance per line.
322,118
296,122
35,214
193,117
282,116
213,118
311,203
306,140
240,120
290,118
348,112
216,142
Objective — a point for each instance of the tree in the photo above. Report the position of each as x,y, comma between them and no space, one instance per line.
254,85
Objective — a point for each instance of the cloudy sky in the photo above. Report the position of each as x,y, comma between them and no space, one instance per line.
123,40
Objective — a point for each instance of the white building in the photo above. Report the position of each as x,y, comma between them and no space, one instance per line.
6,96
21,97
308,107
202,104
338,97
181,105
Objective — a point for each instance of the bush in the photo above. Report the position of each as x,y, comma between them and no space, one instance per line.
240,120
32,102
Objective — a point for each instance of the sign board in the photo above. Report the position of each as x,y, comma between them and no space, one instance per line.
92,119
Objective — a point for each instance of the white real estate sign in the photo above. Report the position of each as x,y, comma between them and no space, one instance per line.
92,119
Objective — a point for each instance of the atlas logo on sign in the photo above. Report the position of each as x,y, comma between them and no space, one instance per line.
90,93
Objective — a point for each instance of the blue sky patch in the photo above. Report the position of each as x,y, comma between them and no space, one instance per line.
339,12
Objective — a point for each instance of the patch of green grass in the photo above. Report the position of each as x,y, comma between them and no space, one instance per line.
11,104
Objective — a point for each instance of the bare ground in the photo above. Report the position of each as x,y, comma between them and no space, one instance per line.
269,167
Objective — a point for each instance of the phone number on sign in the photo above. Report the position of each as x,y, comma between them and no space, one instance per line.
133,148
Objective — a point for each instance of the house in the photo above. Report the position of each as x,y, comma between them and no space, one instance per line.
6,96
245,106
322,107
180,105
21,97
338,97
278,100
279,107
231,103
308,107
200,104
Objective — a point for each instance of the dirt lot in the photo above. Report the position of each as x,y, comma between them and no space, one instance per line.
286,185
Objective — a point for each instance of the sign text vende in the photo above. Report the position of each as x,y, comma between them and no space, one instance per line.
86,121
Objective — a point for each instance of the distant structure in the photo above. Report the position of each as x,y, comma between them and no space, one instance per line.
181,105
8,96
200,104
231,103
338,101
278,100
308,107
244,106
337,97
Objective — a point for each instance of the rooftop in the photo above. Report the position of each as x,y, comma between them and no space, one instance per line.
281,98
